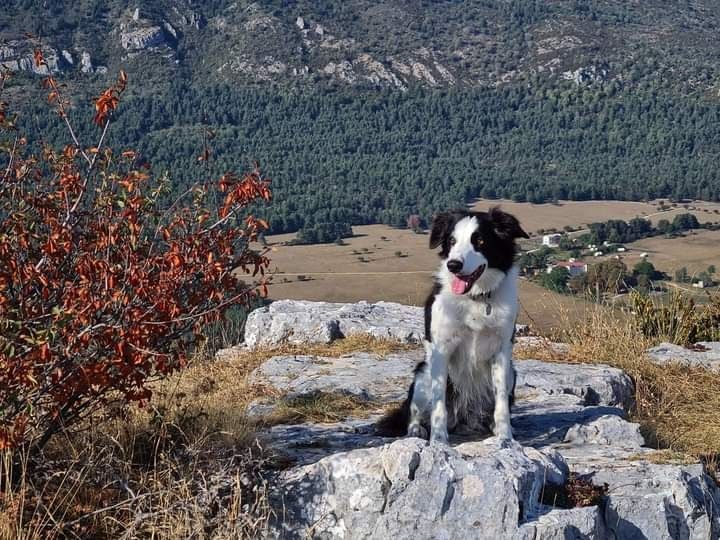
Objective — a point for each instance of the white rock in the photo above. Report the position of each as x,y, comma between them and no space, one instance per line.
585,75
86,62
294,321
667,353
350,482
170,29
377,73
562,524
363,375
595,384
608,430
408,489
422,72
300,321
142,38
18,55
649,500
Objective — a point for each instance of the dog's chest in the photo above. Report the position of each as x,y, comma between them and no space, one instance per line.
482,317
482,332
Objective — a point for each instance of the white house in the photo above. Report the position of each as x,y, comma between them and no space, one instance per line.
551,240
574,268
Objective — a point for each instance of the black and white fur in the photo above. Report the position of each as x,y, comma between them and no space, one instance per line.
467,378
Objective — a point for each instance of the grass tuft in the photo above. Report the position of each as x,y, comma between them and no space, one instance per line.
678,320
319,407
340,347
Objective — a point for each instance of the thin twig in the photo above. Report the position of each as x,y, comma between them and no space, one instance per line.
106,509
228,302
99,145
12,158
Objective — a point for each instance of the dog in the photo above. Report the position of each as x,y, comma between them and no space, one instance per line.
467,378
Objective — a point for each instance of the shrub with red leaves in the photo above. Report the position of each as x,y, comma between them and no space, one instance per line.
103,290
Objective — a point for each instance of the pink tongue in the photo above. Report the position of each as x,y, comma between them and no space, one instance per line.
459,286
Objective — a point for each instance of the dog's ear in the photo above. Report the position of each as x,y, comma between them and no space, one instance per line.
440,225
505,225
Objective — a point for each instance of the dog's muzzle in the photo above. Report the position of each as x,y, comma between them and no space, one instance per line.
463,283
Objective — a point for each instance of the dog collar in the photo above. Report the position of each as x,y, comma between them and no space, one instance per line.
484,297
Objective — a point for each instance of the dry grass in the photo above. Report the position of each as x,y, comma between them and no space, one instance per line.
188,465
576,492
578,213
340,347
678,320
664,457
696,251
334,273
678,407
319,407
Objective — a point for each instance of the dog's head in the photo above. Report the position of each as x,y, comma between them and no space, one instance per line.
478,248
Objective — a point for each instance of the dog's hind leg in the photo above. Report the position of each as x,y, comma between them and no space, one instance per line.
420,402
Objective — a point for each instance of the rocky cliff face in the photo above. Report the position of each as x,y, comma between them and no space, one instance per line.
570,424
386,44
17,55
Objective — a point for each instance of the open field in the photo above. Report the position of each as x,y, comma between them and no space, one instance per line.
570,213
329,272
580,213
696,251
382,263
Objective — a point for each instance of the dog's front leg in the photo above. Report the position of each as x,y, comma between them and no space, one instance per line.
439,357
502,376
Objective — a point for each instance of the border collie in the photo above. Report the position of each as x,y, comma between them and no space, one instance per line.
467,378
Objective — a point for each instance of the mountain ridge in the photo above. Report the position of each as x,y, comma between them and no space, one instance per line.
369,44
368,112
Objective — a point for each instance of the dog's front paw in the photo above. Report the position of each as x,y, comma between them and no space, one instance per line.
504,433
438,437
416,430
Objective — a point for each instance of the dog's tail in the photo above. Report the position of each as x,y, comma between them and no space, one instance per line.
395,422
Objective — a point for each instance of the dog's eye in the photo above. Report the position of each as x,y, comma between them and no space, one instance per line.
452,240
476,239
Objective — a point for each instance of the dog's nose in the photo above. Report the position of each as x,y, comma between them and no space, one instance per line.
454,265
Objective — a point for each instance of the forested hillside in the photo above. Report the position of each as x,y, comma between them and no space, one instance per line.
370,111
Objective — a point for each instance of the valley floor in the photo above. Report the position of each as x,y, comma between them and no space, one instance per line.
383,263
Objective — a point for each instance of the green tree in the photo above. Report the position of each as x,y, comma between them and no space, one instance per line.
556,280
601,278
684,222
645,268
664,227
681,275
